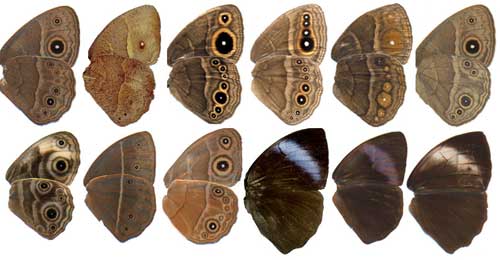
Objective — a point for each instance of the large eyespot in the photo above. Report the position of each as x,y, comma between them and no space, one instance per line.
465,101
225,18
50,101
44,187
467,64
212,226
301,100
56,47
472,46
307,44
223,85
60,165
215,62
218,191
471,20
220,97
225,142
51,213
391,39
305,88
222,166
223,42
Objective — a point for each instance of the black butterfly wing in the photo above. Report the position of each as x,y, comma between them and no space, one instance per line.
282,188
368,179
450,183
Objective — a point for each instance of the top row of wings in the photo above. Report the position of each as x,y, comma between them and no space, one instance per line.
452,75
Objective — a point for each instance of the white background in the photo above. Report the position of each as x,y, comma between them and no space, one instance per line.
174,128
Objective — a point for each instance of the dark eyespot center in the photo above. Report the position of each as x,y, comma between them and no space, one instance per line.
44,185
225,140
224,18
224,43
301,99
306,23
61,142
61,165
50,101
472,46
220,97
305,88
57,47
223,85
307,44
379,61
222,165
465,101
142,45
51,213
459,111
218,110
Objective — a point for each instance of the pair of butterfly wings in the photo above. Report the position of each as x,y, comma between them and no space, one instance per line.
203,56
287,78
449,185
370,79
120,186
39,178
452,73
200,202
37,63
118,77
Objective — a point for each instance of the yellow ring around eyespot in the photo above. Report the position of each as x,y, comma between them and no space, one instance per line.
214,38
464,47
229,16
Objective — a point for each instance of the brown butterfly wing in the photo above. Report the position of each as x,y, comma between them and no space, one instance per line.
370,85
122,87
468,33
291,86
54,157
202,211
299,32
205,36
282,188
124,203
52,34
450,183
368,179
133,155
44,205
42,88
134,34
208,86
215,157
384,30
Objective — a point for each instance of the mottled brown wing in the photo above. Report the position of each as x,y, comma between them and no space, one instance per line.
370,85
468,33
134,34
54,157
133,155
122,87
450,183
368,179
53,34
300,32
282,188
457,88
207,86
44,205
291,86
202,211
216,33
384,30
215,157
42,88
123,202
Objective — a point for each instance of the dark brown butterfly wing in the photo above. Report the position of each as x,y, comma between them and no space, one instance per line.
282,188
450,183
368,179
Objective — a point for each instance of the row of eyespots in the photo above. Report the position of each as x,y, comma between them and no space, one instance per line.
223,39
472,44
306,41
465,101
220,96
301,99
384,97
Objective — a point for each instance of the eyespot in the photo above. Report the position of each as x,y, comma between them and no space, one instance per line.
56,47
142,45
215,62
306,33
44,187
222,68
306,16
305,69
56,91
218,191
472,46
379,61
220,97
297,113
212,226
223,85
298,62
307,44
225,142
60,165
51,213
301,100
471,20
305,88
465,101
61,143
306,23
224,76
473,73
213,115
225,18
129,181
467,64
223,42
57,21
50,101
459,112
52,228
222,166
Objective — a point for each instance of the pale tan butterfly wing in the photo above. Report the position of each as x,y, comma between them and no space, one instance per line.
216,33
215,157
300,32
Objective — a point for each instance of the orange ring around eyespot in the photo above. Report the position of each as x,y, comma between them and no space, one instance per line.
228,21
214,38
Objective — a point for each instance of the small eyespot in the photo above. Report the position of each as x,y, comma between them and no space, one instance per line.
130,216
298,62
459,112
224,76
297,113
301,100
306,23
471,20
137,167
305,88
223,85
225,142
225,18
306,32
379,61
467,64
222,68
217,191
473,73
218,110
57,21
55,91
130,181
213,115
52,228
44,186
215,62
305,69
61,143
306,16
212,226
50,101
142,45
465,101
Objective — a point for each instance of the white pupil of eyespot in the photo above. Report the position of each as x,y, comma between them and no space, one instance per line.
392,42
306,44
224,43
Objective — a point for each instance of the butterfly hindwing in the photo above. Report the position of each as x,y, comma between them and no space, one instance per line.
208,86
450,183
